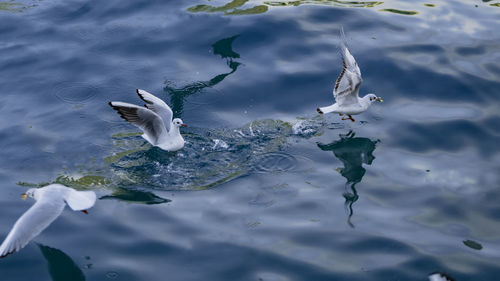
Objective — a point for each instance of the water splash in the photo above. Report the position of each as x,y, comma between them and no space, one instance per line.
209,158
201,164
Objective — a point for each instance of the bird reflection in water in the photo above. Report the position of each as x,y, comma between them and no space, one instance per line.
135,196
353,152
224,48
61,266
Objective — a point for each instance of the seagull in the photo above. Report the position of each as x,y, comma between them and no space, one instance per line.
438,276
155,120
50,202
346,90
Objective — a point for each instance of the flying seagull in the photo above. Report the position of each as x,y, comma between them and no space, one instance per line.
50,202
155,120
346,90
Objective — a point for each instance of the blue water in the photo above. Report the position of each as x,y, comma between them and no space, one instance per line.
265,188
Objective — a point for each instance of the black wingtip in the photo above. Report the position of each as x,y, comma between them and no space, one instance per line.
319,110
6,254
142,98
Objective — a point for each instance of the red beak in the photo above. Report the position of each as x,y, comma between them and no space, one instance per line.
184,125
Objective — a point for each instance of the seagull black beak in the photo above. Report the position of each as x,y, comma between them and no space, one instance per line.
184,125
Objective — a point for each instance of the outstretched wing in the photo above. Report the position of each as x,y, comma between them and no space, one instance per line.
30,224
347,86
144,118
157,105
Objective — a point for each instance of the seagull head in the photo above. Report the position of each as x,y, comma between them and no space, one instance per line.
178,123
374,98
30,193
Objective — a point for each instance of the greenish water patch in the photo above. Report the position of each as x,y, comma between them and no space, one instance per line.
401,12
17,7
73,181
429,5
250,11
116,156
11,7
122,135
495,4
82,181
230,8
337,3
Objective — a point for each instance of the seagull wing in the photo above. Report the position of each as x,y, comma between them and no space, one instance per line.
347,86
144,118
157,105
31,223
79,200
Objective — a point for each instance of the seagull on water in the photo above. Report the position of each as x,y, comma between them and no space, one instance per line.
346,90
155,120
50,202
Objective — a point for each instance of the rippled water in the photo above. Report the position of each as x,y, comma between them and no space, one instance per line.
265,188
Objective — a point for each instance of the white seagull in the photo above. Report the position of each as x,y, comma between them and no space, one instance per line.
50,202
155,120
346,90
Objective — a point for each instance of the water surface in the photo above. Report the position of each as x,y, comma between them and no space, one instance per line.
265,188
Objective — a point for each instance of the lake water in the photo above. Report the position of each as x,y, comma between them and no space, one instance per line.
265,188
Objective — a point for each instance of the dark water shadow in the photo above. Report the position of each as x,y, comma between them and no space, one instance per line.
353,152
61,266
223,48
135,196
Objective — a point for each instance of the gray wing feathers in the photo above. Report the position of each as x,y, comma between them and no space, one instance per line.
158,106
30,224
144,118
347,84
